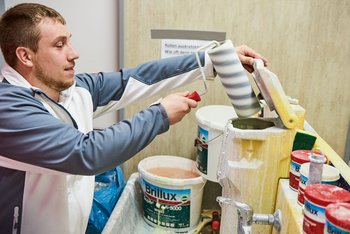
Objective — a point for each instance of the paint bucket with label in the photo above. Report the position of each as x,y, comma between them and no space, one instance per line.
172,191
317,198
211,120
337,218
330,175
298,157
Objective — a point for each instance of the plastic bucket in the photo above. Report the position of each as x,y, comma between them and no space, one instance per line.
330,175
172,191
211,124
317,198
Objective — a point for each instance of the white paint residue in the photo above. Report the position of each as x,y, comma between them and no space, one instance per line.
244,163
343,213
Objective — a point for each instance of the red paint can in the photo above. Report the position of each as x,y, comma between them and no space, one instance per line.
330,175
298,157
337,218
317,197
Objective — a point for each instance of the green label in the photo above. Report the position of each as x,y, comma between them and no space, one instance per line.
165,207
202,150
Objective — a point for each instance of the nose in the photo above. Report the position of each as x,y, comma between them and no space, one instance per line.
72,54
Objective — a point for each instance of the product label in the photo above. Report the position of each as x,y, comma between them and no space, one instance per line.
314,218
294,168
202,150
293,181
330,228
304,179
169,208
294,175
302,182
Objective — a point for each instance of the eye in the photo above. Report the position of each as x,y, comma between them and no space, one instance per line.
59,44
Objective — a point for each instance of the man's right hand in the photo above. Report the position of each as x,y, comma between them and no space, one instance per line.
177,105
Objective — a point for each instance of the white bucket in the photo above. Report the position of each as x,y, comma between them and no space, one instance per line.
211,124
170,203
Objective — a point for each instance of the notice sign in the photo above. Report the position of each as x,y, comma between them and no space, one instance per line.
176,47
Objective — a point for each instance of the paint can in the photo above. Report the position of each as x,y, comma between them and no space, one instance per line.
330,175
298,157
211,121
317,198
337,218
172,191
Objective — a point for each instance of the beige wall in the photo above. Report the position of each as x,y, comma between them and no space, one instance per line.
306,41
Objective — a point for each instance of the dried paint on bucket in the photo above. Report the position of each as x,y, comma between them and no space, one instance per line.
172,192
317,198
337,218
330,175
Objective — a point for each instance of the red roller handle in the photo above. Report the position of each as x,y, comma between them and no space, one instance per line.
194,96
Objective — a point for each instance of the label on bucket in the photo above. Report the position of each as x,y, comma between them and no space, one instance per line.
169,208
202,150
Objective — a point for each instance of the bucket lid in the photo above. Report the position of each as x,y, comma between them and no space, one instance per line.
215,116
324,194
339,215
329,173
301,156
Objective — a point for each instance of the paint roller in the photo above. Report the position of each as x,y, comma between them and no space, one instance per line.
234,79
238,87
232,76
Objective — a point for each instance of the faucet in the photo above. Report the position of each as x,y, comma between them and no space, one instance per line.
246,216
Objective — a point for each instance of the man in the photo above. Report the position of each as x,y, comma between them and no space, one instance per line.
49,152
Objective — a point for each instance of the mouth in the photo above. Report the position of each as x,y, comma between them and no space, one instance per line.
69,69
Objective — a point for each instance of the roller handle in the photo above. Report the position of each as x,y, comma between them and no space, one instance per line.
194,96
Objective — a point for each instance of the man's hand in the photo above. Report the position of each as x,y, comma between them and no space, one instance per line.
246,55
177,105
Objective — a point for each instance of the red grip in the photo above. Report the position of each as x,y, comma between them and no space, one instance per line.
194,96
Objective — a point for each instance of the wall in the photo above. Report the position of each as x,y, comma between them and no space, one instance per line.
306,42
94,31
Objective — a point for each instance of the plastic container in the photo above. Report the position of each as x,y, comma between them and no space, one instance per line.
330,175
317,197
298,157
316,167
337,218
211,124
171,203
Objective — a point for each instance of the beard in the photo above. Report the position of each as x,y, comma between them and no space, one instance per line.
59,84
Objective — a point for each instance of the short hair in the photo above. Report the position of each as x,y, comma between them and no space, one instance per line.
18,27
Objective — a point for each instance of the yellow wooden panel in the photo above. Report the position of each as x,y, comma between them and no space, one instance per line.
306,42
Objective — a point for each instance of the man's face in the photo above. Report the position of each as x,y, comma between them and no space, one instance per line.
53,64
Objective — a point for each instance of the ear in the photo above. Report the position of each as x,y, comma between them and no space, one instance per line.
24,56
